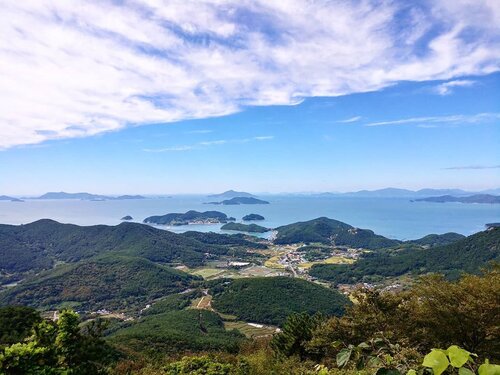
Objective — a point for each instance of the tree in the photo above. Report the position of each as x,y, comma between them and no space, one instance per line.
59,348
297,332
16,323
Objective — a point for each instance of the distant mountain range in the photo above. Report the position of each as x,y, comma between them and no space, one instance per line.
405,193
86,196
231,194
477,198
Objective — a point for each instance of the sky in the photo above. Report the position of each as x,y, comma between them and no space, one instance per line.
166,97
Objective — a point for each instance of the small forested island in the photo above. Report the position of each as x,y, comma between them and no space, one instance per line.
240,200
249,228
477,198
11,199
231,194
253,217
126,197
190,217
127,218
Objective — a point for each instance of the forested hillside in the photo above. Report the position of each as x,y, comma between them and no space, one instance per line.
110,282
39,245
467,255
270,300
329,231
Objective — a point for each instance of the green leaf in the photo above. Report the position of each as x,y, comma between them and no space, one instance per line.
436,360
343,357
364,345
465,371
488,369
411,372
458,356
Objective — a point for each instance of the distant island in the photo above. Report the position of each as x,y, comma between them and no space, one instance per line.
405,193
11,199
127,218
249,228
240,200
190,217
86,196
253,217
231,194
477,198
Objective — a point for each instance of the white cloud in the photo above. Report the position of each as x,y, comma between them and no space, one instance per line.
431,121
349,120
446,88
204,144
80,68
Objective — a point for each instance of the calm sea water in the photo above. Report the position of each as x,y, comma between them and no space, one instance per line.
392,217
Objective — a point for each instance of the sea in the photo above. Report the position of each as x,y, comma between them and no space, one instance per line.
397,218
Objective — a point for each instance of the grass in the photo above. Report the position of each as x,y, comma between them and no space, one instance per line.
248,330
206,272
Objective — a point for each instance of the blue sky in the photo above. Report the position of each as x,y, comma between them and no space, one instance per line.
252,96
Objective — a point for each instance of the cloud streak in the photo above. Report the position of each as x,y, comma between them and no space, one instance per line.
75,69
433,121
349,120
448,87
205,144
474,167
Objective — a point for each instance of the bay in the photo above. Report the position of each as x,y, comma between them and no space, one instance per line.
392,217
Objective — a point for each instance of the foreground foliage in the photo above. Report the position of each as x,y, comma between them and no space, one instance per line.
59,348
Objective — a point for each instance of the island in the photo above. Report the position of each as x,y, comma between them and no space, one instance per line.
231,194
477,198
240,200
127,218
190,217
249,228
253,217
86,196
11,199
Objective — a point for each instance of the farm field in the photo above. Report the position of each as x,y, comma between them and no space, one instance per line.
332,260
250,330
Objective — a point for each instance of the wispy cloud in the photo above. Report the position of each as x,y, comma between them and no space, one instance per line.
466,167
204,144
202,131
349,120
447,87
433,121
79,69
